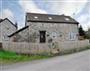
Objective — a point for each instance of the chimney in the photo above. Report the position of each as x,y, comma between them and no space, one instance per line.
16,25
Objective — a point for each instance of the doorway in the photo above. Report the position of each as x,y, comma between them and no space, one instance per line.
42,36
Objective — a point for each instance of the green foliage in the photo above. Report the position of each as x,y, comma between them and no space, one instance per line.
88,34
81,31
11,57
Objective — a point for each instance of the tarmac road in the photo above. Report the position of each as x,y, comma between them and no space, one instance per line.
73,62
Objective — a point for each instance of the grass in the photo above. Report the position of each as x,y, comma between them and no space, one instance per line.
7,57
11,57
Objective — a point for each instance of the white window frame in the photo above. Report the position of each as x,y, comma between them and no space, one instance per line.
72,36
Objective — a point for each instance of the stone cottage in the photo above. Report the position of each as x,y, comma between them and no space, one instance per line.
6,28
46,28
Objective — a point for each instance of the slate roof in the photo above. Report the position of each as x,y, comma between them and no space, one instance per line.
36,17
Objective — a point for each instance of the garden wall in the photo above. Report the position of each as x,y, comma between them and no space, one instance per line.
38,48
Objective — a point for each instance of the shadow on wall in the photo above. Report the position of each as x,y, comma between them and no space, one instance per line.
0,46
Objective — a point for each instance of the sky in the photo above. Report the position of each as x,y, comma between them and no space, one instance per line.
16,10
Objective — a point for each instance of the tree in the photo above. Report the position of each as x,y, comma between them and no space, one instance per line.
88,34
81,31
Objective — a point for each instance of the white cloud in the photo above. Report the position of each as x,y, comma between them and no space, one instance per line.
84,20
7,13
29,6
67,7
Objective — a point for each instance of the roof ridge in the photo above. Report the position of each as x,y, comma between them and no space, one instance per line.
47,14
18,30
9,21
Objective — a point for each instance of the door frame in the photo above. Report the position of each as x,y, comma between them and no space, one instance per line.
42,38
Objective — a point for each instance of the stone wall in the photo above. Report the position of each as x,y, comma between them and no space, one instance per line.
6,28
22,36
53,31
37,48
61,31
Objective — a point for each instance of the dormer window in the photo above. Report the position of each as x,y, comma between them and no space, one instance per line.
35,17
50,18
67,19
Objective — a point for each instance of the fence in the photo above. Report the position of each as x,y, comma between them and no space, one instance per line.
38,48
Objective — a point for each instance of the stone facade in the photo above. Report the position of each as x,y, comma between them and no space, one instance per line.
21,35
54,31
43,28
6,28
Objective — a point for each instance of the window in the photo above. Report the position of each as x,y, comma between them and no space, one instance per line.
67,19
35,17
50,18
72,36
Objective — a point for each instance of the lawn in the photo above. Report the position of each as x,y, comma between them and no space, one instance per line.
11,57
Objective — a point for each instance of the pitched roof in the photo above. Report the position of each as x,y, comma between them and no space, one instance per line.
1,20
18,31
36,17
